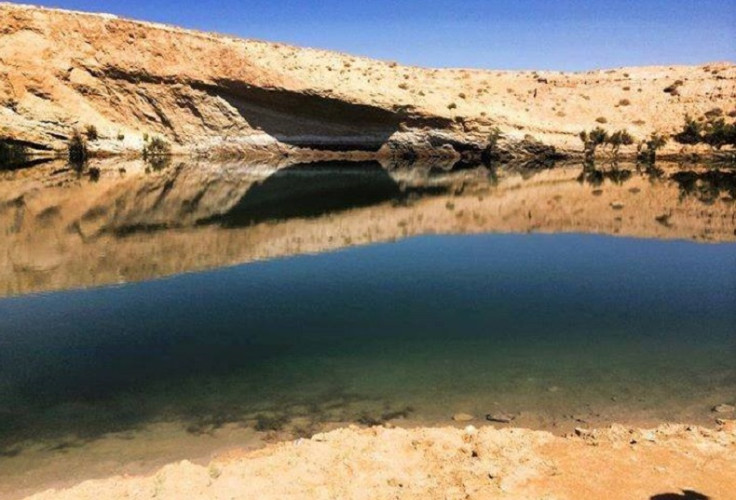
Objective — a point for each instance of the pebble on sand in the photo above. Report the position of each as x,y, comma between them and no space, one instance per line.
462,417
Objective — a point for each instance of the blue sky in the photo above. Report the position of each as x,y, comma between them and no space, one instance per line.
522,34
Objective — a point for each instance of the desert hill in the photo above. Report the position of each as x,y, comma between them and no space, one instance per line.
203,92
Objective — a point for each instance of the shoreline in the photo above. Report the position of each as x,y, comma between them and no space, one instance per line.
143,452
448,462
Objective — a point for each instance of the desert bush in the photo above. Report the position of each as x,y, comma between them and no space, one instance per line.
94,174
11,154
601,119
591,140
648,148
452,105
711,129
598,136
77,148
619,138
624,102
673,89
718,133
91,132
11,103
156,147
121,136
493,137
691,132
403,86
656,141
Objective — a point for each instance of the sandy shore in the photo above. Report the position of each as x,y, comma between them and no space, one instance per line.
380,462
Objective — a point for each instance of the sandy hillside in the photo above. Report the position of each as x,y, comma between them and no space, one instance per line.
450,463
60,70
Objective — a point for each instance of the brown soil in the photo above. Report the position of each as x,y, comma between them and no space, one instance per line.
451,463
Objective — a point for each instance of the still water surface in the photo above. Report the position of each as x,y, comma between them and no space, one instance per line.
556,330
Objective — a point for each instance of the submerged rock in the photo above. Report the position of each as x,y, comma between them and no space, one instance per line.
502,418
724,408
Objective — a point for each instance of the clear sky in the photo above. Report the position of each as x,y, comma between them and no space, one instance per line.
521,34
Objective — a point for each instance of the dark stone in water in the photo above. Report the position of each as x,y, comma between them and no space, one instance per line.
499,417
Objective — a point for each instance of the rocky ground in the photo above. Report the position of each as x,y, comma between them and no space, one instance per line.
207,93
667,462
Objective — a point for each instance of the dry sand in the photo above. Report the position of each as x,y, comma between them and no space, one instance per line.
451,463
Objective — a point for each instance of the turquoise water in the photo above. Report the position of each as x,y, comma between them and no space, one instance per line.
544,325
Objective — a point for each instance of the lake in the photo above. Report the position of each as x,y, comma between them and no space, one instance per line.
150,315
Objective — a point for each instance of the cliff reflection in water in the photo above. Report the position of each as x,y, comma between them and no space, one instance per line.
118,221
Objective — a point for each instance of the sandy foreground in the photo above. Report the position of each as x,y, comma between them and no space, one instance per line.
452,463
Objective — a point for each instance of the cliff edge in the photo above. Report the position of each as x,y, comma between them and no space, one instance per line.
205,93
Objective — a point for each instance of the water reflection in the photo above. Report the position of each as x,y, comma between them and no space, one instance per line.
544,326
121,221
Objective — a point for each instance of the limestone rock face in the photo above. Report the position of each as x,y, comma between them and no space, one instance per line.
206,93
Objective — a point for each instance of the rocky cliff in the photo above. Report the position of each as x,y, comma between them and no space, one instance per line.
208,93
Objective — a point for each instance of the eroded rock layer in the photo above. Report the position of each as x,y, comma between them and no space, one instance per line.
209,94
